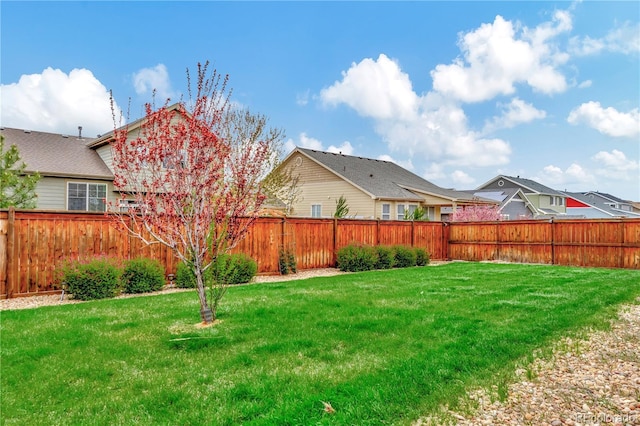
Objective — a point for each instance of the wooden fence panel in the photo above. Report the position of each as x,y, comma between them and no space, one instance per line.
631,245
524,242
313,241
431,237
395,232
350,231
473,241
4,253
589,243
263,243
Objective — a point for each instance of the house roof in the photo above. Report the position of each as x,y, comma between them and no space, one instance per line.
601,203
53,154
503,195
609,197
527,184
383,179
108,137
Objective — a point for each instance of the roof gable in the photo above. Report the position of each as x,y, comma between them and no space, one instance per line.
528,185
52,154
382,179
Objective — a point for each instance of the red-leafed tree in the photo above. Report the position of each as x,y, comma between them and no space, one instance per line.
191,176
476,213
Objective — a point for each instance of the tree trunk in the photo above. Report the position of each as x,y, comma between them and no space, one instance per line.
205,311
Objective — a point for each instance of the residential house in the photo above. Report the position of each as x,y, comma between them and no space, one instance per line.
73,176
514,204
374,189
596,205
542,201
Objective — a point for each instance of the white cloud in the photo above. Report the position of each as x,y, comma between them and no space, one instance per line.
574,176
149,79
429,125
54,101
345,148
404,164
497,56
515,112
608,121
616,165
434,171
585,84
374,88
461,178
623,39
302,99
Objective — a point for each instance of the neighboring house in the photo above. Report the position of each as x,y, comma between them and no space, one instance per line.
514,204
543,201
374,189
596,205
73,176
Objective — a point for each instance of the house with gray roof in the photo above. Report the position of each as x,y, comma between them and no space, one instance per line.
596,205
544,202
374,189
73,176
514,204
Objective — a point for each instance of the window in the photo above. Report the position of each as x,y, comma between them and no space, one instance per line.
552,200
316,210
400,211
386,211
560,201
412,208
88,197
168,162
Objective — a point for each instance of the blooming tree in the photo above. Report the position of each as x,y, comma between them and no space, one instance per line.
17,187
191,177
476,213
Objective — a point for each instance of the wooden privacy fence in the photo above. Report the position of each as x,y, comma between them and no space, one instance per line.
34,243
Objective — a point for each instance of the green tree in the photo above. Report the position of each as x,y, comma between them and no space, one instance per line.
342,209
17,188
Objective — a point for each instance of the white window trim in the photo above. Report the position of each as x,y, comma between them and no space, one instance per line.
388,214
316,205
86,202
404,211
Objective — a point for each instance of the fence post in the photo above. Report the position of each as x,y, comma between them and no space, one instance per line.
413,233
553,242
335,241
12,262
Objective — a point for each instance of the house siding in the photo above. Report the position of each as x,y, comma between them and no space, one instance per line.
52,192
516,209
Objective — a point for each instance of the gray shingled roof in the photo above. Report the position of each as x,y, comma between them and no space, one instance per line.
383,179
53,154
529,184
503,195
597,200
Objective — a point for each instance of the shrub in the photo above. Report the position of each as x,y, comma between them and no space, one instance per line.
385,257
234,268
355,257
422,257
142,276
287,262
404,256
185,277
89,279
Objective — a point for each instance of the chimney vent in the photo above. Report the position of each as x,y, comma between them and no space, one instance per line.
79,132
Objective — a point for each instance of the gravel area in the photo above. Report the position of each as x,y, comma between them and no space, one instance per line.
591,381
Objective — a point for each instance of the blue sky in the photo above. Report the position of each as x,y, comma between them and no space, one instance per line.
457,92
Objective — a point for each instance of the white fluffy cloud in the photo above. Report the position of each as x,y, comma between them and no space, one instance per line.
616,165
574,176
56,102
499,55
404,164
429,125
374,88
345,148
305,141
461,178
514,113
146,80
608,121
623,39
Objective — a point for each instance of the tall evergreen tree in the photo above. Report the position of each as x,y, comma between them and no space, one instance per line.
17,188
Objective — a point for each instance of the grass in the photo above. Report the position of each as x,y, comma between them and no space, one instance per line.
382,347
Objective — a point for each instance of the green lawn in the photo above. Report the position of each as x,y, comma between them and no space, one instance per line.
382,347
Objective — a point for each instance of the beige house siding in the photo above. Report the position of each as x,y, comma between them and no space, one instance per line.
106,155
52,192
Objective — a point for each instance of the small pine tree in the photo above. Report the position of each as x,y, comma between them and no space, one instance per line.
342,209
17,188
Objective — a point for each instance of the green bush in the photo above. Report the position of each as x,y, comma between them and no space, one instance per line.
355,257
142,276
185,278
422,257
404,256
287,262
97,278
385,257
234,268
